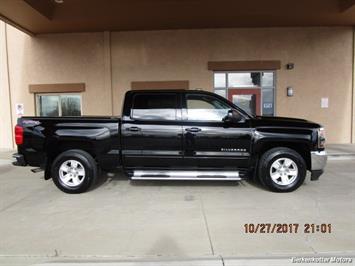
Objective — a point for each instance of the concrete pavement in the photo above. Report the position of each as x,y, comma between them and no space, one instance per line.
122,220
341,151
213,261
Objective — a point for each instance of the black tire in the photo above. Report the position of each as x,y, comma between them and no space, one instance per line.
271,156
86,181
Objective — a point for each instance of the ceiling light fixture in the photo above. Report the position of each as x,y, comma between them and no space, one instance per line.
59,1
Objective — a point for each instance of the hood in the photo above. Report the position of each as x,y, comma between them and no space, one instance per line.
283,121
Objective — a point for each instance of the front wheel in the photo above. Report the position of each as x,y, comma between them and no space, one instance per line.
74,171
282,169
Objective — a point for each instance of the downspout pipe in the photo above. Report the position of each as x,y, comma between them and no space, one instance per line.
9,85
353,92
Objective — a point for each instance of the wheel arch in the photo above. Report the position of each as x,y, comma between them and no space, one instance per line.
64,146
300,147
279,183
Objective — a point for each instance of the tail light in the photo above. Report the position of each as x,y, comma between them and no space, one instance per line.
321,138
18,134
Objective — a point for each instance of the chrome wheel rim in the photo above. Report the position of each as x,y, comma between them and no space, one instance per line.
72,173
283,171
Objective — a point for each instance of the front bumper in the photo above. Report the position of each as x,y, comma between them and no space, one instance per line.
20,160
318,163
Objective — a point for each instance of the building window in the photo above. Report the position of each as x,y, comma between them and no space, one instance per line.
253,91
58,104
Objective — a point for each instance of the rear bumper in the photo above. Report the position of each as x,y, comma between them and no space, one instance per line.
20,160
318,163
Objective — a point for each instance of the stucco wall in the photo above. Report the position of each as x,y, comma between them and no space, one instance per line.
59,58
322,57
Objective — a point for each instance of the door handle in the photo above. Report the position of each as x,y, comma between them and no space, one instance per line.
134,129
193,129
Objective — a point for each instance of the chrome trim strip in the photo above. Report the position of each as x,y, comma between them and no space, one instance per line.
197,153
150,152
186,178
318,160
185,175
131,152
161,152
114,152
221,153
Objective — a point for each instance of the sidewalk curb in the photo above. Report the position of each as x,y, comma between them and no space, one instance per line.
276,260
341,156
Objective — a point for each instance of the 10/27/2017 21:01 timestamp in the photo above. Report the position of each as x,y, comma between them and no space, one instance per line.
287,228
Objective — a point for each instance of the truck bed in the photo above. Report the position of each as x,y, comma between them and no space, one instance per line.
98,135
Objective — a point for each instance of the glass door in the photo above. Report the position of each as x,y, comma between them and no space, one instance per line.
247,99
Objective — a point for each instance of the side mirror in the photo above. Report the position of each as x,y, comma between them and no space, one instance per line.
233,116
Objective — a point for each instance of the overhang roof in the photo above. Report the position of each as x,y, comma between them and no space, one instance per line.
51,16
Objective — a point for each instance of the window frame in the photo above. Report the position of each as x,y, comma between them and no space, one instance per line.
37,105
177,107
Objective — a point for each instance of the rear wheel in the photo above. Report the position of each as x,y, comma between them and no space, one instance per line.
74,171
282,169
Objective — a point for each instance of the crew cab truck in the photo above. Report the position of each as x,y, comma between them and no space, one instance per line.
173,135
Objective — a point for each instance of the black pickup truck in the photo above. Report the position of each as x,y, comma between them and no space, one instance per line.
173,135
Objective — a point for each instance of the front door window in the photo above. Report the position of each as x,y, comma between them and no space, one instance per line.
252,91
205,108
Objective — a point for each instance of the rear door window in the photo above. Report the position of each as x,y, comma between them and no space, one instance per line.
155,106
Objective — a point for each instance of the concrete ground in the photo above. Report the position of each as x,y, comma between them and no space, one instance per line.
126,220
342,151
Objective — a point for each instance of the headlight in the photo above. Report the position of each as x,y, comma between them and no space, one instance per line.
321,138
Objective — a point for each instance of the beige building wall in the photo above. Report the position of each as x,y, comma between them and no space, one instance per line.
60,58
322,58
108,62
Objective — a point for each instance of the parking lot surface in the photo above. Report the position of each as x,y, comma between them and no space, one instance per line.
125,219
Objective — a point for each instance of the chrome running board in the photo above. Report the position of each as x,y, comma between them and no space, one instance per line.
185,175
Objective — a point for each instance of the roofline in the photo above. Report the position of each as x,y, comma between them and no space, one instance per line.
16,25
163,90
